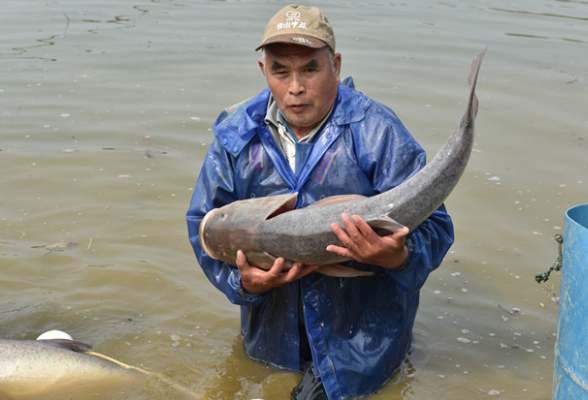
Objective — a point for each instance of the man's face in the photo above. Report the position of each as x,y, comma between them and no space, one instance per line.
302,83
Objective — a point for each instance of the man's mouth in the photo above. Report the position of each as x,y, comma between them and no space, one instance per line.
298,107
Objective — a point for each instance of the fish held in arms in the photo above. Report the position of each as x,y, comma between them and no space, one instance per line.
269,227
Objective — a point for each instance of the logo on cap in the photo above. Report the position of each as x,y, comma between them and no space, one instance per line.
299,24
292,21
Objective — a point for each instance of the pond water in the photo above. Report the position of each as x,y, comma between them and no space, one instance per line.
106,109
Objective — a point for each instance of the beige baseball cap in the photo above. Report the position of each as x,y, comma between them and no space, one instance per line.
294,24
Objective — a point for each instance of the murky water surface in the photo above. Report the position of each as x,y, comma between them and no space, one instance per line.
106,110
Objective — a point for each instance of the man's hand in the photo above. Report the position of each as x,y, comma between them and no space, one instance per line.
256,280
364,245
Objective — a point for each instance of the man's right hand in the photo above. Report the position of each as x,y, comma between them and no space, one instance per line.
257,280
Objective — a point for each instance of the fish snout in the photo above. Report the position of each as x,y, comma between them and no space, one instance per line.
203,232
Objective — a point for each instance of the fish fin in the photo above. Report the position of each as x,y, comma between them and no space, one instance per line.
472,79
384,224
260,259
265,261
344,198
73,345
340,271
278,204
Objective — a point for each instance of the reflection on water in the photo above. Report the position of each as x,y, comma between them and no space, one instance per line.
107,112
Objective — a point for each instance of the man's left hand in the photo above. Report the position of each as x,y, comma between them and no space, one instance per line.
364,245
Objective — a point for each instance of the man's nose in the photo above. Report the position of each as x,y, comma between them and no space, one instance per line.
296,87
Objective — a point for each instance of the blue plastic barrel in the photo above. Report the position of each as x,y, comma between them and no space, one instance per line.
571,349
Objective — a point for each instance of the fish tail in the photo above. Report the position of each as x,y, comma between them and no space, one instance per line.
472,79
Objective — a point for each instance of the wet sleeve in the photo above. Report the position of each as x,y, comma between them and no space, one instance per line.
427,246
215,187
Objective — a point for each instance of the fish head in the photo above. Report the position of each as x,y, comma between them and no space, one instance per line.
226,230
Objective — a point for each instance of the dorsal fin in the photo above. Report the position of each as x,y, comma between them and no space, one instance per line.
73,345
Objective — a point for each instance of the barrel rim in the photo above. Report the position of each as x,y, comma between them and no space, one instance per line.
578,215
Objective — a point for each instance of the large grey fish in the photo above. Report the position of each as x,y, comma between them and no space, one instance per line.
34,369
55,367
269,227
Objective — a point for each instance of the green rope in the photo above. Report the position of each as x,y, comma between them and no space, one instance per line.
544,276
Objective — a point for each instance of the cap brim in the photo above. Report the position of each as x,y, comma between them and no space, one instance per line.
301,40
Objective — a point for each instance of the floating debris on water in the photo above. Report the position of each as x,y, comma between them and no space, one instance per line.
59,246
512,312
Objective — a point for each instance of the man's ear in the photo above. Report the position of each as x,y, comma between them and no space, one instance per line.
337,65
262,66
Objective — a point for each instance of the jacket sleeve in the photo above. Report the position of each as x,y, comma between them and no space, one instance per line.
427,245
215,188
398,157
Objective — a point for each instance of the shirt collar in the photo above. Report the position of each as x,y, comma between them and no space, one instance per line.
282,131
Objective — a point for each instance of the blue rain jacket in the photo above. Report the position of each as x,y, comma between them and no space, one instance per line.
359,329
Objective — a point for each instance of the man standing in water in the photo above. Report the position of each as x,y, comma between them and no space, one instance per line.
309,133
